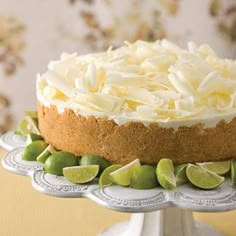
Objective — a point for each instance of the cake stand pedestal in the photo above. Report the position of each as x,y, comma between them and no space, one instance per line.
156,212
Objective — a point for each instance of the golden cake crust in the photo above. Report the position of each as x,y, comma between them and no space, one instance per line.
124,143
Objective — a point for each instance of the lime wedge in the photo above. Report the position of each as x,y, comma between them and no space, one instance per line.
91,159
144,177
233,172
203,178
32,125
81,174
105,179
31,151
220,168
165,174
32,113
123,175
58,160
27,125
180,174
45,154
31,137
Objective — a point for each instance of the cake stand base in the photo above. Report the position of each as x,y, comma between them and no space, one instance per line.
167,222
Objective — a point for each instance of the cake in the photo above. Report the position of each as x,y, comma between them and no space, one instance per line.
142,100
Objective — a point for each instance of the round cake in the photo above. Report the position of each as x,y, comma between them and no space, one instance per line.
143,100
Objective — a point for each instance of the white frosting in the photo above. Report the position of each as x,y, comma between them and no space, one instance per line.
145,82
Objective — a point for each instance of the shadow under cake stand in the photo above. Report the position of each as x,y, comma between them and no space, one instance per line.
156,212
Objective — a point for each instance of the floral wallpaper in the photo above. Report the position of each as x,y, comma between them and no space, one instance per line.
150,28
11,46
225,17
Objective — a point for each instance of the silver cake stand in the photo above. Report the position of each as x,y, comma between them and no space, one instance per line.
156,212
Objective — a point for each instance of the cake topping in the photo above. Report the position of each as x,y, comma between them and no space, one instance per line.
142,81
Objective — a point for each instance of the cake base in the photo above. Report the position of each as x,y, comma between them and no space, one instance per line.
124,143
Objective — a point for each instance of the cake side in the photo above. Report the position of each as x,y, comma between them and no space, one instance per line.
123,143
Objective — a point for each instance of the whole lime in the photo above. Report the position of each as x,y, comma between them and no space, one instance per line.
91,159
57,161
144,177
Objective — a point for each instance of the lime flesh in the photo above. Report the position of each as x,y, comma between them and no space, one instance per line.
45,154
180,174
203,178
105,179
144,177
91,159
123,175
81,174
59,160
220,168
32,113
27,125
165,173
33,150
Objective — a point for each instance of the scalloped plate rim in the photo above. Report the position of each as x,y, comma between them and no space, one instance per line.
170,200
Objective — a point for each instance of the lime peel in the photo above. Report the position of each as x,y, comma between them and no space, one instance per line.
165,174
105,179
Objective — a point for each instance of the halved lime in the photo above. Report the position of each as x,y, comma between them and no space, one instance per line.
27,125
123,175
105,179
91,159
31,151
220,167
165,174
180,174
81,174
45,154
31,137
58,160
203,178
233,172
144,177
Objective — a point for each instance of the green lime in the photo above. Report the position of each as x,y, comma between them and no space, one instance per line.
233,172
220,168
81,174
180,174
58,160
31,137
123,175
31,151
144,177
203,178
27,125
45,154
32,113
105,179
165,174
91,159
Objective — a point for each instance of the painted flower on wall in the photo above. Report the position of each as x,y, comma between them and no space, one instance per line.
11,46
225,19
